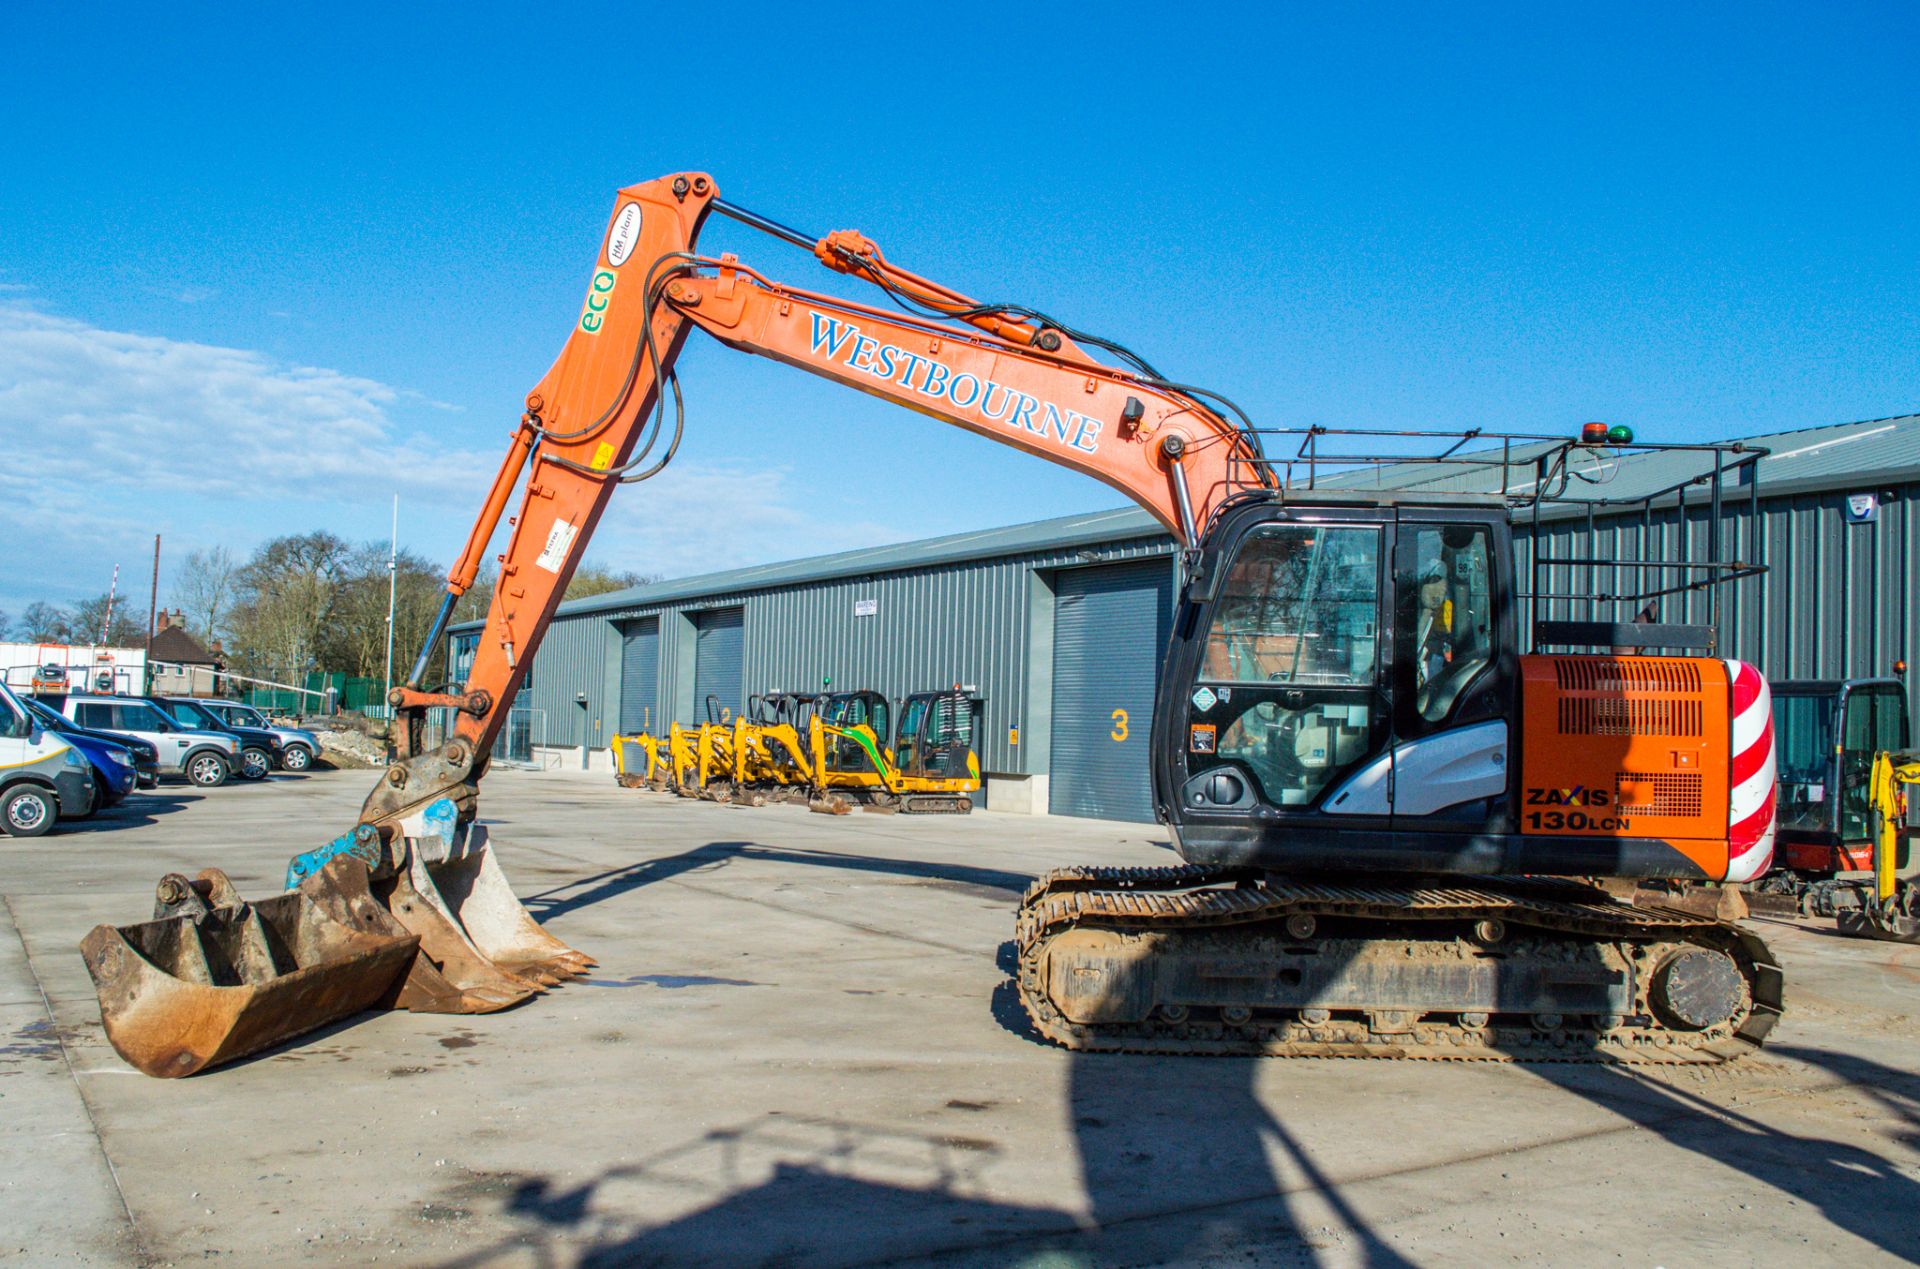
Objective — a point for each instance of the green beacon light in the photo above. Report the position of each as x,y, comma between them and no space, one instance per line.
1620,434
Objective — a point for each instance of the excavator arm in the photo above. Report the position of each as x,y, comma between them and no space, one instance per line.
593,422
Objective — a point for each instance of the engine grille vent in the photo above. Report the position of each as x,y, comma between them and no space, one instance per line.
1619,674
1618,716
1667,796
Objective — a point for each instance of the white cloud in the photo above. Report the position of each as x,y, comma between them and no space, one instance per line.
203,419
141,434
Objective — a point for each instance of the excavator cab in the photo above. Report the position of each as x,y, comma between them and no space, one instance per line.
937,736
845,753
1346,672
1828,731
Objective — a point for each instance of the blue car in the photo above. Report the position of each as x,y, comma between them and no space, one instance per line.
113,773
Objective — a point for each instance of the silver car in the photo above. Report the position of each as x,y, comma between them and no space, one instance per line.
205,758
299,746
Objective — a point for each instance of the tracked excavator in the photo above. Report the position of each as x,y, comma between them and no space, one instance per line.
1385,806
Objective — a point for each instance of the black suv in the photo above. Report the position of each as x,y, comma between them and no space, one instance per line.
260,751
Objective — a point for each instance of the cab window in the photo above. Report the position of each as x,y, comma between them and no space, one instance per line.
1803,739
1291,657
1300,605
15,721
1450,624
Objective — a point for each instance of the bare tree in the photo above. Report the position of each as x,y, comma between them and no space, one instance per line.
203,587
43,622
283,597
355,639
591,579
89,623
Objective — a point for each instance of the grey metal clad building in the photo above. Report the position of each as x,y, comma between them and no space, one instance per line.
984,610
1059,624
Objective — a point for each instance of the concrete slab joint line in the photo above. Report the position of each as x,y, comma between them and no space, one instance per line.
137,1244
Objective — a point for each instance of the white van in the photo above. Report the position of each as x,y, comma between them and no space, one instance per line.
42,777
205,758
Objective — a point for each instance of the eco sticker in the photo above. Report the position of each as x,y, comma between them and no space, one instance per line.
559,540
1200,738
599,295
1203,699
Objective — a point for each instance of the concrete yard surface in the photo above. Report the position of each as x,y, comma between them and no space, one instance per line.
801,1047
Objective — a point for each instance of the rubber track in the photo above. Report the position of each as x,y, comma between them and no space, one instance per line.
1176,898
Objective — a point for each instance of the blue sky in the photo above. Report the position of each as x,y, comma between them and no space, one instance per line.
260,266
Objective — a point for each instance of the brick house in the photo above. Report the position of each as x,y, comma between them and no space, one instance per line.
181,666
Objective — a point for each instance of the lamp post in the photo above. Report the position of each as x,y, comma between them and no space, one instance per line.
393,575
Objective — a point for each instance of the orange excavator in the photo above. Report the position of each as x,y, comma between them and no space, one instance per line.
1386,808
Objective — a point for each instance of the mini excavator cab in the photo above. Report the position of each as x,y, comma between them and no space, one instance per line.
1828,731
938,732
845,755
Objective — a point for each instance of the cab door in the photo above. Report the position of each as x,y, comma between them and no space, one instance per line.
1276,690
1874,720
1455,680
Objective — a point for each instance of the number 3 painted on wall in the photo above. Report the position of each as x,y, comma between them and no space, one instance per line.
1119,731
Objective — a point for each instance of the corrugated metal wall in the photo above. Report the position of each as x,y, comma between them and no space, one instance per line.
576,657
965,622
1837,600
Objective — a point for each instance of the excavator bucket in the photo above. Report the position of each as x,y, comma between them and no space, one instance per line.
213,978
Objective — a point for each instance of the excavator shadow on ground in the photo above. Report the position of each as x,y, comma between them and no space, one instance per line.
1178,1159
1856,1191
615,882
795,1190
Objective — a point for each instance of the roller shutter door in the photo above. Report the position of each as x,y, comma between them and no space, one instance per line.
1110,628
718,643
639,676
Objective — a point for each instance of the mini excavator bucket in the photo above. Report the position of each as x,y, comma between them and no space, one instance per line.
213,978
